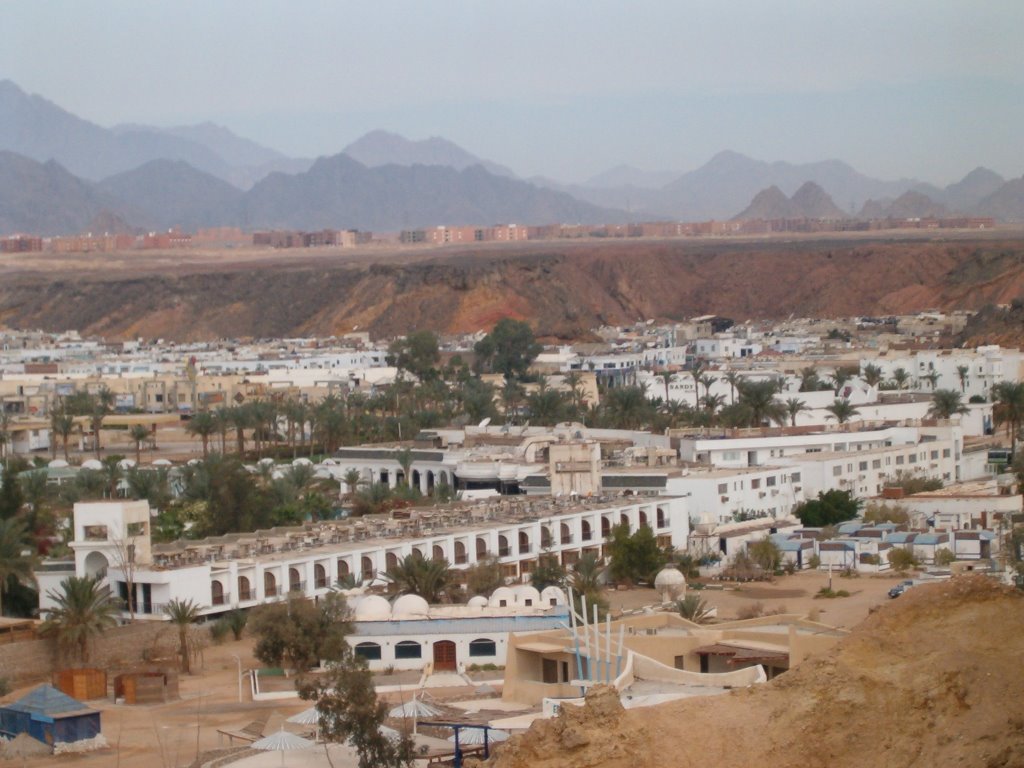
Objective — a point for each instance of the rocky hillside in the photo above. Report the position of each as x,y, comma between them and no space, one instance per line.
562,289
917,684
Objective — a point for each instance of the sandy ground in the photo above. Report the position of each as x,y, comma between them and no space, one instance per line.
786,594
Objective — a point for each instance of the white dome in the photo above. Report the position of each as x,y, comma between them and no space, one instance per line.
91,464
502,593
669,578
57,464
525,593
301,461
552,593
410,607
372,608
477,602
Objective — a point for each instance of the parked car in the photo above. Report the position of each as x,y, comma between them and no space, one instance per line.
900,588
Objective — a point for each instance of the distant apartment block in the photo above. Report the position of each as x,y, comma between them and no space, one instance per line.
345,238
21,244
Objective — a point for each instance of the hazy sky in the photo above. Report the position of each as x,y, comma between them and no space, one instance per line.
564,89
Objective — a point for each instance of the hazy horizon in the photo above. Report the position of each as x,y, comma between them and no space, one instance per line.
555,89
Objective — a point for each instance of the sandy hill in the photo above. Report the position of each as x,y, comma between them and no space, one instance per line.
810,201
932,679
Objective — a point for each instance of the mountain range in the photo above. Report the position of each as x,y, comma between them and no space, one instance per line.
60,173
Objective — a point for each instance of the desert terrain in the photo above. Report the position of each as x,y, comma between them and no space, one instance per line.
563,288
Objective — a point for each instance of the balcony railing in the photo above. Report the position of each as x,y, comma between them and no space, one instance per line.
270,591
504,551
567,539
587,535
297,586
246,595
524,549
461,559
224,599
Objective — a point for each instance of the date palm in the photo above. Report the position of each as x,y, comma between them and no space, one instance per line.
62,424
83,609
961,373
417,576
16,559
794,406
182,614
842,410
139,433
204,426
871,374
1008,397
900,377
946,403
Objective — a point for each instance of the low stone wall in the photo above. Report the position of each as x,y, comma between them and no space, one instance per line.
119,648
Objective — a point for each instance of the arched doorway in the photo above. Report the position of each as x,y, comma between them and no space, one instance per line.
444,656
244,590
216,593
96,565
269,584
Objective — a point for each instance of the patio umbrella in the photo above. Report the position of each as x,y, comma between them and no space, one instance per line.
415,709
389,733
282,742
309,716
476,736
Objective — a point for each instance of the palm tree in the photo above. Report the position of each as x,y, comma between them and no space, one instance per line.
5,434
138,433
352,478
238,419
839,378
708,381
900,377
417,576
103,404
183,614
871,374
1008,397
794,406
404,458
16,559
83,609
841,410
759,397
945,404
587,574
511,399
113,473
809,380
693,608
961,373
932,378
62,424
734,380
696,371
202,425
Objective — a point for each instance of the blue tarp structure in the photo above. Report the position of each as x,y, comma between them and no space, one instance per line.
50,716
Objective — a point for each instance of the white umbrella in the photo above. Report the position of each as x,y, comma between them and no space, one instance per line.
91,464
476,736
415,708
162,463
309,716
389,733
282,742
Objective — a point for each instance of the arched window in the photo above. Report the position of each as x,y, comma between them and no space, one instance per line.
367,567
624,520
390,561
587,533
545,537
342,569
565,533
483,647
294,580
524,542
417,553
269,584
319,576
481,548
244,590
643,519
460,553
369,651
606,527
438,552
662,518
408,649
503,548
216,592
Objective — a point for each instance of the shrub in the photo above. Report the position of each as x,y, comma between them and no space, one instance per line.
219,631
902,559
751,611
944,557
693,608
814,562
825,592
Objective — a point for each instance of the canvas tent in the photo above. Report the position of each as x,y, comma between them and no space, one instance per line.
50,716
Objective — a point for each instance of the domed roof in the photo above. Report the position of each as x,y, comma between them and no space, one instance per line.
477,602
669,576
372,608
552,593
410,607
502,593
524,593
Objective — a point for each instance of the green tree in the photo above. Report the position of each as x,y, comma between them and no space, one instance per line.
871,374
183,614
484,576
900,378
204,426
300,633
946,403
961,373
627,408
759,397
351,713
876,513
840,377
634,557
508,349
794,406
1008,397
829,508
427,578
62,425
548,572
139,433
11,497
16,558
765,553
902,560
809,379
417,353
932,377
842,410
83,610
944,557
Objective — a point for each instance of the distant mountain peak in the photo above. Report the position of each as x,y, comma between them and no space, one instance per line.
380,147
